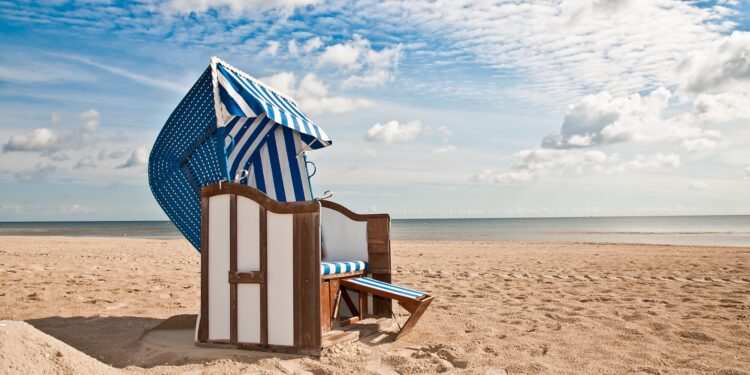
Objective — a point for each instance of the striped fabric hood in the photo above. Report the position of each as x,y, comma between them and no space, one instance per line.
231,127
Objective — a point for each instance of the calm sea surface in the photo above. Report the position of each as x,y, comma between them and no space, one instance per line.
688,230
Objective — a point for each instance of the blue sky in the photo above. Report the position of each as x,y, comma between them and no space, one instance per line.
437,109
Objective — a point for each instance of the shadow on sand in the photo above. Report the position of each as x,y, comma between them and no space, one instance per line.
148,342
137,341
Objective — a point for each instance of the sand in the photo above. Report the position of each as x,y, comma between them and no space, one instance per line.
501,308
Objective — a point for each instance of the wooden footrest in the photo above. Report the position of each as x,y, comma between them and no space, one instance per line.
411,300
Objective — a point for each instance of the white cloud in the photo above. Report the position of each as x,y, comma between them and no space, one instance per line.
273,48
380,67
449,149
312,44
747,172
345,54
701,144
41,139
284,82
48,142
311,94
602,119
368,66
485,175
540,160
138,158
534,163
85,162
489,175
55,119
719,78
647,162
75,209
142,79
91,119
562,50
112,154
40,172
513,176
392,131
308,46
369,153
58,156
234,7
444,132
725,67
725,106
292,47
699,185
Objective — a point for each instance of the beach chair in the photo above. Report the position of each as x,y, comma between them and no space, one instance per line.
280,270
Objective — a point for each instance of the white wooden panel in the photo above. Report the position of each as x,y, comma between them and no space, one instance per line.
248,235
280,279
218,267
344,239
248,313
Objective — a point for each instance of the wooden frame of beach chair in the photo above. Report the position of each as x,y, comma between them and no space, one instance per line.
261,282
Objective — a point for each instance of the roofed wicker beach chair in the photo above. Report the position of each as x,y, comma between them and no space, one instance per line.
230,170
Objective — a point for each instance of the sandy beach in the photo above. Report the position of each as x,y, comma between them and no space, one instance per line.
113,305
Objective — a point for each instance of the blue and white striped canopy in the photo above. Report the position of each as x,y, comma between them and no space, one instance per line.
242,95
231,127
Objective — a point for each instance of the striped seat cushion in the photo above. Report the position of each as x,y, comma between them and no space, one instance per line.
332,268
376,284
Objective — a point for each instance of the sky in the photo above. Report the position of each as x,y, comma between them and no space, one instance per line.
437,109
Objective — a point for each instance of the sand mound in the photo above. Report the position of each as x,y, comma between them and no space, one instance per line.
26,350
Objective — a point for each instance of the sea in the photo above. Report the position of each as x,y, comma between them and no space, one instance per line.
728,230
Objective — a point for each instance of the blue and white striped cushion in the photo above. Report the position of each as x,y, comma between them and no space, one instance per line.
332,268
372,283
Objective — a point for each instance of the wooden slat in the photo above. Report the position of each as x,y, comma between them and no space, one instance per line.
379,259
297,282
263,269
348,321
325,305
232,268
379,271
410,306
262,199
203,324
253,277
377,246
306,244
347,284
348,213
414,318
279,349
336,337
335,297
342,275
378,228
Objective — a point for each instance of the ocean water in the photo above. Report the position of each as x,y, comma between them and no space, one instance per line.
683,230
